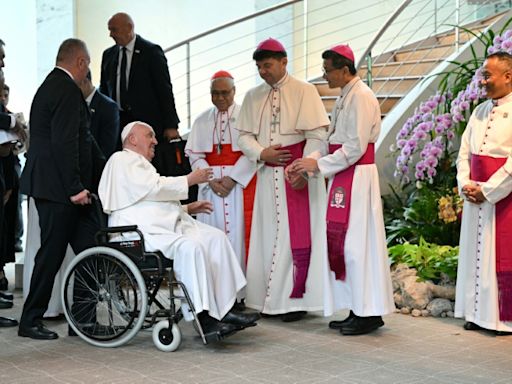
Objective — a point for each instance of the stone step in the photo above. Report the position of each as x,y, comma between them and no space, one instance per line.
432,52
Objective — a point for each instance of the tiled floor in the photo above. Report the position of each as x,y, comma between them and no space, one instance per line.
406,350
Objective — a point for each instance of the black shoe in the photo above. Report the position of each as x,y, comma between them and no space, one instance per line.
469,326
38,332
59,317
269,316
4,284
213,328
18,247
5,304
339,324
503,333
6,295
7,322
293,316
243,319
239,306
362,325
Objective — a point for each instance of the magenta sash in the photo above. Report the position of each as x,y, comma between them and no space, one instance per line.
338,211
482,168
299,226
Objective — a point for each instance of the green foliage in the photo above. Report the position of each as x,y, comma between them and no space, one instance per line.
415,214
430,260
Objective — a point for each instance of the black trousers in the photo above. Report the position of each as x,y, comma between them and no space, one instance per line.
61,224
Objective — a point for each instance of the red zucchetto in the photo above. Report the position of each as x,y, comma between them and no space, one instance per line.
343,50
221,74
270,45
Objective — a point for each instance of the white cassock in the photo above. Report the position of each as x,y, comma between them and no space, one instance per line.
132,192
286,114
33,243
488,133
209,129
367,288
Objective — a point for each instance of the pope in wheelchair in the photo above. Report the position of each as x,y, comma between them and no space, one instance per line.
132,192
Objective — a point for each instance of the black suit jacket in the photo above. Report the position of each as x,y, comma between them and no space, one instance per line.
5,119
105,123
62,152
150,97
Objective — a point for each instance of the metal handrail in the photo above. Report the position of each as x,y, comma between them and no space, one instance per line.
381,31
233,22
216,29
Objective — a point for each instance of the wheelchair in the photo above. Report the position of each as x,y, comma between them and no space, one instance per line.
112,290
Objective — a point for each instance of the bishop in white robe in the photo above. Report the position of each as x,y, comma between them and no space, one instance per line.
360,276
132,192
280,120
213,143
484,178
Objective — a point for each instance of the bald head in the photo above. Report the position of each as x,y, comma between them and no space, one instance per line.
122,28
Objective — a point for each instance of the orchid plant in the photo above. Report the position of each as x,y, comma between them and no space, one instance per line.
426,148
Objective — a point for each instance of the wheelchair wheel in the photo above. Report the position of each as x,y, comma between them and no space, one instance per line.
166,338
104,297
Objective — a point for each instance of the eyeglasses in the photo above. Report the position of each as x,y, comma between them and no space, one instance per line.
327,71
221,93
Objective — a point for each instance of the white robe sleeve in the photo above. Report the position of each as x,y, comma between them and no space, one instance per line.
316,143
499,184
250,146
463,159
169,189
358,129
243,171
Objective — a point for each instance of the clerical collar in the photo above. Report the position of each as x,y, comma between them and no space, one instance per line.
65,70
504,100
281,82
346,89
130,46
229,111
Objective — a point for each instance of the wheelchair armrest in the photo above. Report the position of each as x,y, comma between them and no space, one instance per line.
125,228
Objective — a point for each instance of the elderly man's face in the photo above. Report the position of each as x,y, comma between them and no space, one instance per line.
223,94
144,141
497,78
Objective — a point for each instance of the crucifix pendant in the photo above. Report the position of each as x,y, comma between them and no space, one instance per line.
219,148
274,123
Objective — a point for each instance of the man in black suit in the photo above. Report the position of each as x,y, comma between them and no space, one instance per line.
104,117
59,175
144,92
6,182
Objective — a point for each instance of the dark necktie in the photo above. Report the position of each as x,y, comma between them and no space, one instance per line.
123,90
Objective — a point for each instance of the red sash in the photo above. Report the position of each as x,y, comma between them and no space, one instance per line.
300,226
229,157
482,168
338,211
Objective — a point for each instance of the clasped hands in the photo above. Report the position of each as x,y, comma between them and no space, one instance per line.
473,193
223,186
294,172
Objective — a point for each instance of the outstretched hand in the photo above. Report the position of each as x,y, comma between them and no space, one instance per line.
200,206
199,176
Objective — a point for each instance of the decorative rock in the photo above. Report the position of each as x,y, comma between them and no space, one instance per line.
416,312
449,314
415,294
443,314
405,310
443,291
439,306
425,313
399,301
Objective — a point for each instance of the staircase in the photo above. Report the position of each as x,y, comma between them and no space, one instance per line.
396,72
